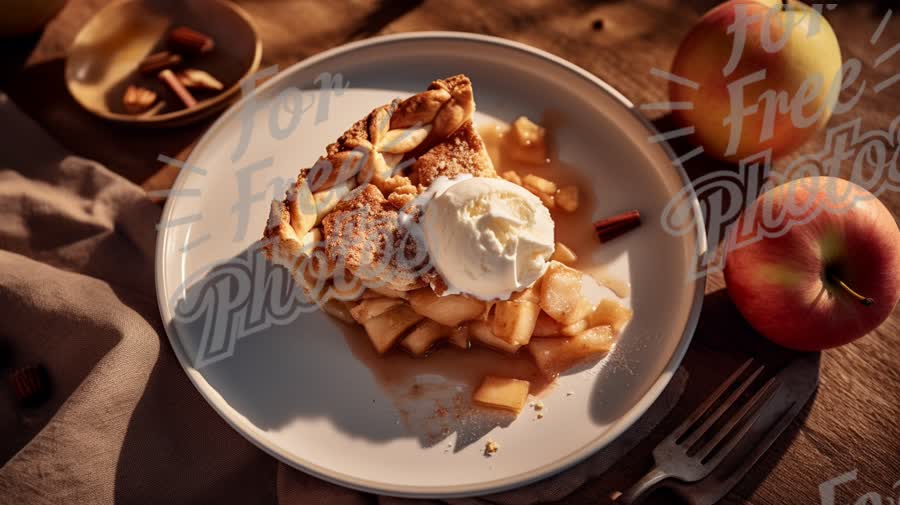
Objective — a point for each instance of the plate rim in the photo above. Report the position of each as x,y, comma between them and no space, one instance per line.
463,490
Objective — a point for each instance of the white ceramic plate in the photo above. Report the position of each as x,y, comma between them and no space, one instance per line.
296,390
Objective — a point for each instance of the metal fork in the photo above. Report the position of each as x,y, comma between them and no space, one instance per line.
690,459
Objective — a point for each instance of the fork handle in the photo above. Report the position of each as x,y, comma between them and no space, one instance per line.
641,487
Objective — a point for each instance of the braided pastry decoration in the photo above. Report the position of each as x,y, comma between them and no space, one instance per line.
368,166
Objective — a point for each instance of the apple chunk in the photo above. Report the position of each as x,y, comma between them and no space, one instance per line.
480,331
424,336
563,254
448,310
384,329
379,290
502,393
561,297
574,328
459,337
338,309
546,326
514,320
556,355
372,307
612,313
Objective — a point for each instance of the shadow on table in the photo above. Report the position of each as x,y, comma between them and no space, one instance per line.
296,364
15,51
715,183
722,342
129,150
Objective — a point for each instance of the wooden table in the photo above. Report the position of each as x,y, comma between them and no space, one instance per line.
851,425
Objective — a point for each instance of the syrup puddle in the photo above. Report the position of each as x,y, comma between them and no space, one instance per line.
433,395
574,229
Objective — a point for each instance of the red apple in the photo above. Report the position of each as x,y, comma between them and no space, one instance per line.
827,274
781,57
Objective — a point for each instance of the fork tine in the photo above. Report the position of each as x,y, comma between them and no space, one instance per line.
752,410
761,446
709,402
732,398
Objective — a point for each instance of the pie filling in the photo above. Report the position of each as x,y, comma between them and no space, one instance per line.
406,228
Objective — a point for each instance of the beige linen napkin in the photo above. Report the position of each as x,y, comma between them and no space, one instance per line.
124,424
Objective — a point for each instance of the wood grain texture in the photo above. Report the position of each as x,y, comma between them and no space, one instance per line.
851,425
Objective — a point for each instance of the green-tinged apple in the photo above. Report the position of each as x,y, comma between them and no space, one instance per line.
771,68
827,270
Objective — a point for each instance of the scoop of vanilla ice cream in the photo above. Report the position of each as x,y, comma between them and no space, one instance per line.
488,237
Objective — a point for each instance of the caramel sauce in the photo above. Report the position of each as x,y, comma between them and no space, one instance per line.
433,394
445,364
573,229
621,288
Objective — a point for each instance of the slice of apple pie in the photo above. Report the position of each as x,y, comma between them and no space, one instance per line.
405,227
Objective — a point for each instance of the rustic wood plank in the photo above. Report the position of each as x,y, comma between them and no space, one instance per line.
852,422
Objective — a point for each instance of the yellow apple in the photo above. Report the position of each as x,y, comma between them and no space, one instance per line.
760,74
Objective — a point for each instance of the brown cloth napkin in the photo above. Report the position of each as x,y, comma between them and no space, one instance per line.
124,424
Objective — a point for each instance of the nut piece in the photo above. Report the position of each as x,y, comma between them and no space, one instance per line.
490,448
30,385
400,200
158,61
193,78
395,183
191,41
567,198
137,99
184,95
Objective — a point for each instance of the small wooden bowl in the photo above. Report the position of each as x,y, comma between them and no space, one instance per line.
104,58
